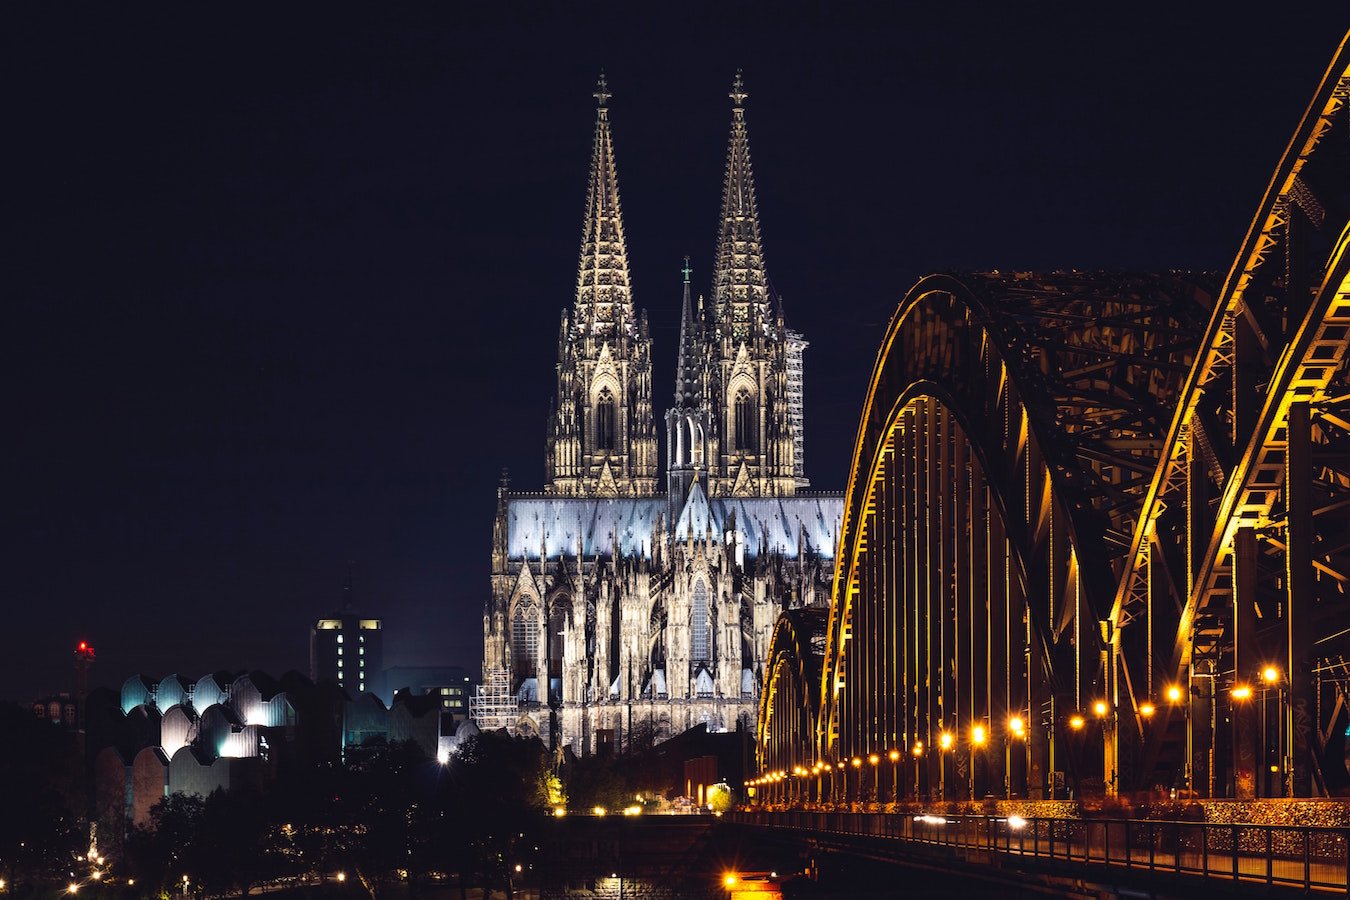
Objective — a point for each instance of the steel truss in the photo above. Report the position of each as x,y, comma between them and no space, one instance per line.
1060,485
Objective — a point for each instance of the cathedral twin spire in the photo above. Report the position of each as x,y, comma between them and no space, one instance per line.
730,426
604,303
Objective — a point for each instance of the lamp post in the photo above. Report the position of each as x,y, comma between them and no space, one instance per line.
945,743
1017,731
1270,677
917,750
979,736
894,757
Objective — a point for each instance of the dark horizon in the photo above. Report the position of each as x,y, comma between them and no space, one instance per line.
288,291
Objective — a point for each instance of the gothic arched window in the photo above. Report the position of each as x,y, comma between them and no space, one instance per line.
745,421
604,421
525,640
700,629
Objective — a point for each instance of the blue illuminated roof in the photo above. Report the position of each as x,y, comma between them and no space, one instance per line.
556,526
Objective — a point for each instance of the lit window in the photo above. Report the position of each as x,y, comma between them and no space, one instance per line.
339,638
363,663
699,627
339,651
363,651
604,421
361,638
363,685
445,691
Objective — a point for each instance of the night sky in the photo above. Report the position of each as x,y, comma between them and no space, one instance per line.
282,289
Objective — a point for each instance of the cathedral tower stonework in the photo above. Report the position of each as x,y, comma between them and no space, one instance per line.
620,613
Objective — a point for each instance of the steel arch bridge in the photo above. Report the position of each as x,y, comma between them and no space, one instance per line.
1098,526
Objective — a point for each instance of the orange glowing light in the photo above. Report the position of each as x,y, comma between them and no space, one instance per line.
894,755
1174,693
1017,726
1241,692
945,740
1076,723
1146,710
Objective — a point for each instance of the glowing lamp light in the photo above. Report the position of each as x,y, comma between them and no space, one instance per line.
518,868
1100,708
917,750
72,888
874,759
1076,723
978,736
1016,823
96,875
1017,727
1241,692
341,876
599,810
856,762
1270,674
1147,710
1174,693
841,765
945,740
894,755
730,879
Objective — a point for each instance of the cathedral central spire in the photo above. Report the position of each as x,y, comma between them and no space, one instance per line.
740,285
604,303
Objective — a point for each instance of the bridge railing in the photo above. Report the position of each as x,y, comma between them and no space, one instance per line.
1310,858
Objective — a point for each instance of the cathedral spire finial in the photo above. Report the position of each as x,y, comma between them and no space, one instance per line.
738,93
687,272
602,92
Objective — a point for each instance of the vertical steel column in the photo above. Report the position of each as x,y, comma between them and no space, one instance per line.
1245,660
1299,600
922,599
1198,770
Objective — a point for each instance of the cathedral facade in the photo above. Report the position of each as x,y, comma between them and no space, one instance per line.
625,605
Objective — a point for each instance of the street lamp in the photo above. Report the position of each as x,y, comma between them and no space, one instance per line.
894,757
1017,731
945,742
917,750
978,738
1076,722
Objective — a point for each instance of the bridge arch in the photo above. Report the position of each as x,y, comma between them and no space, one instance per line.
1112,508
1007,434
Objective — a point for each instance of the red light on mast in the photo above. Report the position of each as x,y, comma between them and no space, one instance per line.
83,645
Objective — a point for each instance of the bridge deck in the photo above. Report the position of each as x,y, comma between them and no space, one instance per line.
1305,858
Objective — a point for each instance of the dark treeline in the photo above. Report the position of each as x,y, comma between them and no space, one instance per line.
386,815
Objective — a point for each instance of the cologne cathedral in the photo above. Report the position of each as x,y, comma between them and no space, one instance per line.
624,607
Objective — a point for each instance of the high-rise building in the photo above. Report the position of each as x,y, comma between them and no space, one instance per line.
621,610
348,649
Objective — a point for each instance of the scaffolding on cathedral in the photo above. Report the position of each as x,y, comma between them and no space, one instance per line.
494,706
